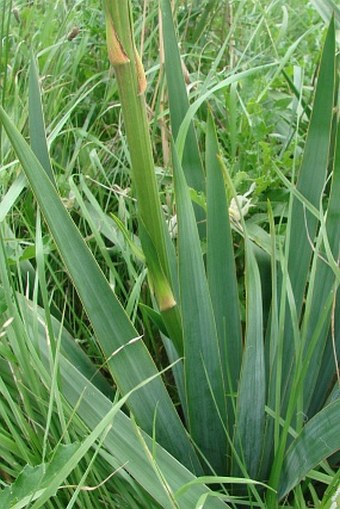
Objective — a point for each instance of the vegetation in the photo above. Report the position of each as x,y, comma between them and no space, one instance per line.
169,255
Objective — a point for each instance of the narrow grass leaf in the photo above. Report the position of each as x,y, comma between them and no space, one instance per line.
96,225
11,196
68,466
234,78
202,359
121,441
70,349
214,479
128,358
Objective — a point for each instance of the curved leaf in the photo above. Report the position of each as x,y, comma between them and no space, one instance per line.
318,440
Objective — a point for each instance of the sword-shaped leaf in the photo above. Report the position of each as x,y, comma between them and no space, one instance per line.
317,441
178,101
202,358
322,294
302,224
129,361
221,271
250,416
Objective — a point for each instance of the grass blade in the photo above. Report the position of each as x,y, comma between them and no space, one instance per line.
69,348
123,443
194,107
11,196
123,440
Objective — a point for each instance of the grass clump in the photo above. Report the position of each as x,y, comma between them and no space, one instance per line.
205,290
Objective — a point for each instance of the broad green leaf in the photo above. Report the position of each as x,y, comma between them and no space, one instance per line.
302,224
318,440
272,352
126,354
322,293
202,358
326,382
178,101
312,174
250,415
221,271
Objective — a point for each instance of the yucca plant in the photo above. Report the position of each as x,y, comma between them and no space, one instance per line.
259,397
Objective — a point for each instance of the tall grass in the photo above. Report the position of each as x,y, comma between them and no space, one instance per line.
244,310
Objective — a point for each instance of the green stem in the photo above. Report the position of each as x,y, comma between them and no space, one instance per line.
131,82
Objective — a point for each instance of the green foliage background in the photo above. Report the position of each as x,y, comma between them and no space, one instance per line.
66,354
